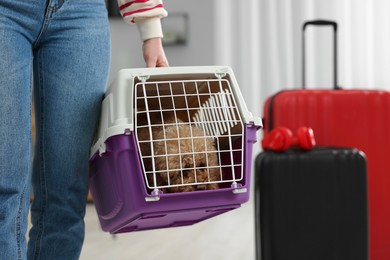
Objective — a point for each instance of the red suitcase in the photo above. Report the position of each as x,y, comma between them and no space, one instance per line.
346,118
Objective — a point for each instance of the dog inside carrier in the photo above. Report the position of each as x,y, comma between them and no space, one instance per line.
173,148
189,133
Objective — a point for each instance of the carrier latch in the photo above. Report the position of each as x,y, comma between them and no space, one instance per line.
237,188
143,77
155,196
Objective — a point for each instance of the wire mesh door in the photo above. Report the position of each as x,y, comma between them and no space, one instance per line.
190,134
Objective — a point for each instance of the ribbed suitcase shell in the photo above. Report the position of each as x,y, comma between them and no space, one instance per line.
347,118
311,205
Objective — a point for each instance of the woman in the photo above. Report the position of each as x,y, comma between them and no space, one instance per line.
61,47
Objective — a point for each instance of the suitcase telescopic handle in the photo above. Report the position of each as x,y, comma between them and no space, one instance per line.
320,23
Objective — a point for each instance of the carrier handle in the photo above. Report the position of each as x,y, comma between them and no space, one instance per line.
320,23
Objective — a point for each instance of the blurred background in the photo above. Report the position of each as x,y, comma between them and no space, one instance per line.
262,41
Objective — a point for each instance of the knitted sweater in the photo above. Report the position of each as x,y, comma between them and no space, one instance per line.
146,14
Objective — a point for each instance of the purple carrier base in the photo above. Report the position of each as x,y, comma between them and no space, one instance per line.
119,191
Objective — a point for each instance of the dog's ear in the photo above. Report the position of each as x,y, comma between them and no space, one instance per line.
162,178
211,145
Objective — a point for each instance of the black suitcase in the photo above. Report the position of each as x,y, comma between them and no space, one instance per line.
311,205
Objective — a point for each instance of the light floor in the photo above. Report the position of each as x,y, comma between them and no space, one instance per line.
229,236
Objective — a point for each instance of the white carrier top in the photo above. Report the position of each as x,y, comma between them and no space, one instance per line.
117,113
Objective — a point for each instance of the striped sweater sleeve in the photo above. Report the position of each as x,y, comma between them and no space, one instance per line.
146,14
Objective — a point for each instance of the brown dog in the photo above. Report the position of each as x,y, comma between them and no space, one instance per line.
183,155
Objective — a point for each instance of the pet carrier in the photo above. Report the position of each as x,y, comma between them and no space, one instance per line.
173,148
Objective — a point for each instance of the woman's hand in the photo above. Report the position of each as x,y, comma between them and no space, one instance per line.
154,54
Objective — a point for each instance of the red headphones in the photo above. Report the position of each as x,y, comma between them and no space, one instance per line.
281,138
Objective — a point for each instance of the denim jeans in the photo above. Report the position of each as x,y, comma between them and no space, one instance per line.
60,51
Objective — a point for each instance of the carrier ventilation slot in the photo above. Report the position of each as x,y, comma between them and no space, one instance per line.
217,115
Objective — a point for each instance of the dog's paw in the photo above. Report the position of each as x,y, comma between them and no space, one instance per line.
211,186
